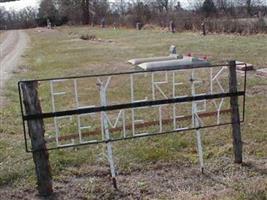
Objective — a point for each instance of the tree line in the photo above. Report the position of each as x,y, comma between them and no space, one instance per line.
128,12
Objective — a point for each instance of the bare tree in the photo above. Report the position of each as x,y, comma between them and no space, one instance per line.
196,4
163,5
3,14
250,5
25,18
208,8
48,10
70,10
85,9
222,5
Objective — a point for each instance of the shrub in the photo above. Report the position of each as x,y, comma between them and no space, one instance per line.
88,37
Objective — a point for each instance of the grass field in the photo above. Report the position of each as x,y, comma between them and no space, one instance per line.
164,167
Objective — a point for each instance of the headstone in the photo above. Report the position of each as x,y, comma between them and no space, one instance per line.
138,26
103,21
172,26
114,25
49,25
172,49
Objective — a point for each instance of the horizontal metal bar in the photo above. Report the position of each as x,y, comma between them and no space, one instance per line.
85,127
23,122
58,93
126,72
59,80
131,105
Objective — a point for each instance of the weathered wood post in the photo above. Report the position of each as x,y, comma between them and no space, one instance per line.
36,131
236,133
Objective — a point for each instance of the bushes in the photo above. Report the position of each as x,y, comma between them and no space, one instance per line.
241,26
87,37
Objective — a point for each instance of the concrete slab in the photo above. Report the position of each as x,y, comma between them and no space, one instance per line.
138,61
243,66
262,72
186,62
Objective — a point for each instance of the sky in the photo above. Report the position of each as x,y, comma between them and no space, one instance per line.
17,5
34,3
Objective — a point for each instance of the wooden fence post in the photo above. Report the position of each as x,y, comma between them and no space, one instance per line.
236,133
36,131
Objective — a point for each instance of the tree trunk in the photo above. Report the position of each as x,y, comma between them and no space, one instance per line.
85,8
249,9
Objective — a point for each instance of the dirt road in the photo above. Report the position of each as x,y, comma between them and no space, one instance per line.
11,49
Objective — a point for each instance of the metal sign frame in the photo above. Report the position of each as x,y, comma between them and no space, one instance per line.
104,107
